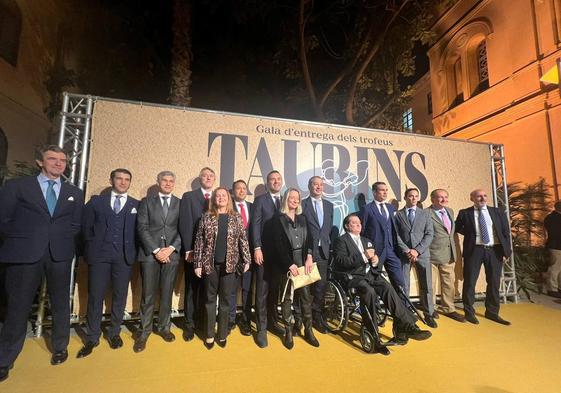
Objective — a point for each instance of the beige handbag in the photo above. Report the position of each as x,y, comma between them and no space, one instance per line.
301,280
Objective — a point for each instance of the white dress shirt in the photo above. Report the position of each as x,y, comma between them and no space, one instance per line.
123,200
490,228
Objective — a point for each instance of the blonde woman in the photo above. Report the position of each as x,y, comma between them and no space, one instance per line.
220,246
293,249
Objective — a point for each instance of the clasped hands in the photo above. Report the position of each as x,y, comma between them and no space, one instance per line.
163,254
412,255
371,256
308,266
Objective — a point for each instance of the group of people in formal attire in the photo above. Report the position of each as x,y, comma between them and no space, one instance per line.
229,244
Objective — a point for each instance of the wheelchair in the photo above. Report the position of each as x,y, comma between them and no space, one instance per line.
342,304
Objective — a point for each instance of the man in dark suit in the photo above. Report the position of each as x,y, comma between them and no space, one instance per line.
159,253
319,215
486,241
109,230
265,207
354,254
378,226
414,236
552,224
193,205
40,218
239,191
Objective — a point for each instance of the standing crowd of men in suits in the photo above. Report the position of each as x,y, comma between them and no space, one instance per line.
42,218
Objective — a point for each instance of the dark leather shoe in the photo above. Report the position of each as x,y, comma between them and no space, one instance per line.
471,318
115,342
381,349
5,372
245,328
310,338
87,349
319,325
209,345
221,343
59,357
414,333
288,340
430,322
435,315
556,294
456,316
497,318
188,333
261,339
167,336
140,344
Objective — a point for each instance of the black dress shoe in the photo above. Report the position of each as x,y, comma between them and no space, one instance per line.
414,333
288,340
456,316
320,326
167,336
221,343
140,344
115,342
261,339
4,372
310,338
59,357
87,349
435,315
209,345
471,318
188,333
245,328
430,322
381,349
496,318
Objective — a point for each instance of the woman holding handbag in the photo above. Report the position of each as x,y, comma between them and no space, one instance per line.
220,247
293,249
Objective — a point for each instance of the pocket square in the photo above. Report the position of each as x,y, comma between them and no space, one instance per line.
133,210
71,199
369,244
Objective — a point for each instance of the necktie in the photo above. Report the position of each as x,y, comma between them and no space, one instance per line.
207,195
360,248
277,202
319,212
483,228
51,197
117,204
383,211
243,214
165,206
411,215
445,220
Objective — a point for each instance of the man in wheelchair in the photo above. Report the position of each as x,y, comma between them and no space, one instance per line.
355,256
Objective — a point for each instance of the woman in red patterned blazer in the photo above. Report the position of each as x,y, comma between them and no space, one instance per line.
221,251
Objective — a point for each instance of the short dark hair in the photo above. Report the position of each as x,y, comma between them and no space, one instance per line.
557,205
407,191
120,170
272,172
238,181
376,184
348,218
311,179
40,151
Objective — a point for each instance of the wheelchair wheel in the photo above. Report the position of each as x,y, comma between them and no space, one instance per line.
336,312
367,340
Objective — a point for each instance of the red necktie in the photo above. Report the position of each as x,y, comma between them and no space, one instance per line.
207,195
243,214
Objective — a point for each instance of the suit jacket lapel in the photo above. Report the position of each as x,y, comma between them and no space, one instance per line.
402,215
436,217
37,194
62,197
284,222
312,208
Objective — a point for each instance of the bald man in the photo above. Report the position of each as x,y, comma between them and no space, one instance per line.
487,242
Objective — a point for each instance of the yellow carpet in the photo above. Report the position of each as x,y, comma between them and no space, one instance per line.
524,357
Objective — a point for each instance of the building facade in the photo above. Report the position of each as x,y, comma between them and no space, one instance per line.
485,70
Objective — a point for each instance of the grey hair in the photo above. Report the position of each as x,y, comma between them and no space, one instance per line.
165,173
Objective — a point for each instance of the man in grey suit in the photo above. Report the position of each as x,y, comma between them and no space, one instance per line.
443,253
160,244
414,236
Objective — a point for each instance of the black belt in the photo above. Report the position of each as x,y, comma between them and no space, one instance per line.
487,247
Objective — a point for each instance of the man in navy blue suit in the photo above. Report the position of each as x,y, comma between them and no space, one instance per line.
239,192
109,227
319,215
193,204
40,218
378,226
265,207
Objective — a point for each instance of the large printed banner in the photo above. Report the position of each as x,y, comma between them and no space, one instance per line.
148,139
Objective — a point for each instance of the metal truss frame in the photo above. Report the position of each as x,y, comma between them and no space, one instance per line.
508,288
74,138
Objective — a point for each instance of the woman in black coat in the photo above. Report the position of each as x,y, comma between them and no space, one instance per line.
293,249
